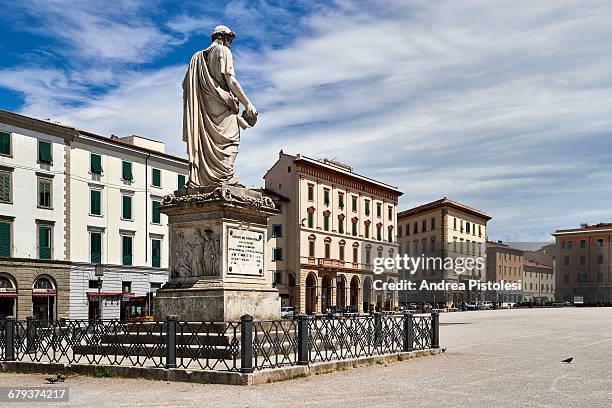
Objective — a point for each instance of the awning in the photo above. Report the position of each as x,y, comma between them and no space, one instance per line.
8,294
44,294
104,294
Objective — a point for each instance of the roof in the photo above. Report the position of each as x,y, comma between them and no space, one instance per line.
339,170
500,245
535,264
67,131
274,195
586,229
443,202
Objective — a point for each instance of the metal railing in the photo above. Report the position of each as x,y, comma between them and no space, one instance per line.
242,346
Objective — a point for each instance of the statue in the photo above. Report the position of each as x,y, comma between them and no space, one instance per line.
211,124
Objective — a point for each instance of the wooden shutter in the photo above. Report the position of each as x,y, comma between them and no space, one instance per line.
181,181
156,213
156,253
96,163
156,178
44,152
5,239
5,187
127,171
5,143
127,207
96,247
44,248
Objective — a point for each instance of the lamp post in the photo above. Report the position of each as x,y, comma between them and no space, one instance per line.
99,274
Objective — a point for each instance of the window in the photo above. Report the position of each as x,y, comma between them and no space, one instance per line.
44,241
5,143
354,228
366,229
126,171
433,223
583,277
93,284
95,163
479,230
326,222
379,232
311,248
368,255
423,225
600,276
390,213
327,250
566,260
126,287
311,192
415,228
407,229
156,178
126,207
468,228
156,253
277,254
355,255
340,225
44,192
567,244
390,234
341,252
583,243
367,207
582,260
277,231
182,180
341,201
6,186
600,242
354,203
326,197
600,259
95,247
310,220
399,230
5,239
155,214
95,202
44,152
566,277
127,249
378,210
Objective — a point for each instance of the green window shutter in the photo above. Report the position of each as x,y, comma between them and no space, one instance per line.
127,250
310,193
96,247
326,222
326,197
44,249
310,220
156,253
5,187
127,171
5,239
156,178
96,202
156,213
5,143
341,200
181,181
44,152
96,163
127,207
341,226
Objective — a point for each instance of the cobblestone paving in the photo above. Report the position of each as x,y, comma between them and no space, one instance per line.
506,358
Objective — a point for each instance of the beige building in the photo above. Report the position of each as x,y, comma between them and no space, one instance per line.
333,223
446,229
538,281
583,263
504,263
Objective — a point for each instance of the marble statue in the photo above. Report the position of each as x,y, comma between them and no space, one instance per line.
211,124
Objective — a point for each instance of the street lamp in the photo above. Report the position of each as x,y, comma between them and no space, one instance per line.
99,275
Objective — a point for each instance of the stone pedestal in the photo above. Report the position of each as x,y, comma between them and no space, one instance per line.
217,262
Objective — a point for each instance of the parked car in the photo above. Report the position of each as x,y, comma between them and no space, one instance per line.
473,306
350,310
486,306
287,312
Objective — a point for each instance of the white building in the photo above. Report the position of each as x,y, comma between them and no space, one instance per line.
97,203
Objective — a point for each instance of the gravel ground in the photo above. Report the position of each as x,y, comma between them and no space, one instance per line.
504,358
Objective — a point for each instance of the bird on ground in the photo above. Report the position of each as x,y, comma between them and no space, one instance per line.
568,360
444,350
61,378
51,380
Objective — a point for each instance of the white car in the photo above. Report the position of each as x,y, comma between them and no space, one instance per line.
487,305
287,312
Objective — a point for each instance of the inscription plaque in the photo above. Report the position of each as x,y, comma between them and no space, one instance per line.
245,252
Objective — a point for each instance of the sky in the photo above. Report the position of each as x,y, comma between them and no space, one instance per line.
503,106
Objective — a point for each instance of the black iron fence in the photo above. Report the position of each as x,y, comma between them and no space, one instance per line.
242,346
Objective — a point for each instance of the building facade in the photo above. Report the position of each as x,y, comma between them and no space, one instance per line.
71,200
583,263
443,229
333,223
505,263
538,282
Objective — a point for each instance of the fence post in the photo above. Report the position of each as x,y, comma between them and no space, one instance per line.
171,341
408,332
435,330
246,343
377,328
30,334
302,334
9,337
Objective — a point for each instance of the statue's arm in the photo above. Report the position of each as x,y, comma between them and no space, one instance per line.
237,90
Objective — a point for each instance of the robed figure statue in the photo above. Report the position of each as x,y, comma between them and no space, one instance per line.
211,124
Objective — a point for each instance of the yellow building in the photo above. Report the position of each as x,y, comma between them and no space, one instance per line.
333,223
447,229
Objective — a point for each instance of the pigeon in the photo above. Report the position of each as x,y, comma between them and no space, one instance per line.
444,350
51,380
61,378
568,360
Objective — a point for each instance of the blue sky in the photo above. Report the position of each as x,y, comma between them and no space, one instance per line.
505,106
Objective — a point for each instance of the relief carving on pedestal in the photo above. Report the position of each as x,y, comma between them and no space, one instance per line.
197,252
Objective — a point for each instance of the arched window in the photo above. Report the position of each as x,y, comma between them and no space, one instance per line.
311,245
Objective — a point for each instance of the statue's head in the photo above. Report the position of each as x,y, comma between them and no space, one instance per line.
224,34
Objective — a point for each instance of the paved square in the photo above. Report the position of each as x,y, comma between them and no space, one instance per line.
504,358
